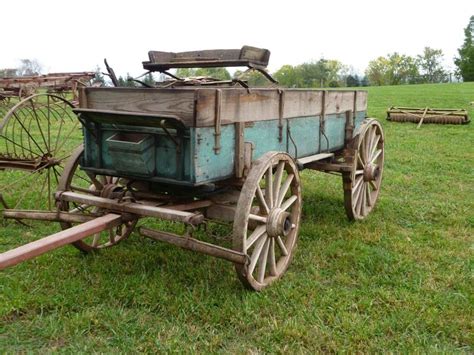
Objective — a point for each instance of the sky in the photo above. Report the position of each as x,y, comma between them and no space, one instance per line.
77,35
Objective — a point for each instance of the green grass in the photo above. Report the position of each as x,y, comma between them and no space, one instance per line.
399,281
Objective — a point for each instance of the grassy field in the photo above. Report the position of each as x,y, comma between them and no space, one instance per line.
402,280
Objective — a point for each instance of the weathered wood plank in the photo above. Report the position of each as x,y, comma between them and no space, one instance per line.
263,104
300,103
160,101
339,102
197,106
361,101
54,241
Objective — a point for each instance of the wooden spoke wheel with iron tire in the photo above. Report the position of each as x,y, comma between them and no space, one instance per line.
37,136
76,180
362,184
267,219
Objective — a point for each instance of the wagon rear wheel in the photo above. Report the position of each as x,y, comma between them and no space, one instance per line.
362,183
76,180
267,219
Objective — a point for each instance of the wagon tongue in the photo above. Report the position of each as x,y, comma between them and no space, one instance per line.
57,240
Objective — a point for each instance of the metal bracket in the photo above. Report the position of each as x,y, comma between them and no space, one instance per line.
281,108
217,122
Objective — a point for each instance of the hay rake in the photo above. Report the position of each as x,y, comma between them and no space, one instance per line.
427,115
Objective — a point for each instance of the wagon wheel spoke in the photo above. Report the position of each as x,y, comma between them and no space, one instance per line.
268,238
272,258
362,188
261,200
262,261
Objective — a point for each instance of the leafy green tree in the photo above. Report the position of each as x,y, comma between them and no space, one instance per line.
253,78
377,71
430,64
215,73
321,73
149,80
185,72
395,69
98,78
8,73
352,80
288,76
465,61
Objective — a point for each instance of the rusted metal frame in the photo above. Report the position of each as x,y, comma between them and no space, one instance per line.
54,241
239,128
322,125
195,245
20,164
132,208
39,215
349,127
263,71
217,122
281,108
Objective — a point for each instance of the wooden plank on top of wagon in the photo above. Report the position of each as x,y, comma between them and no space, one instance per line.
156,101
339,102
240,105
361,101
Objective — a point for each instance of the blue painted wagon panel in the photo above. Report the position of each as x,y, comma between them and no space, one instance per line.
207,165
304,134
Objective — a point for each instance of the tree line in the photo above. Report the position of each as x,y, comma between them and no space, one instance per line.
392,69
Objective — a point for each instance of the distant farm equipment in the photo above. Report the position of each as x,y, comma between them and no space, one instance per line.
427,115
57,83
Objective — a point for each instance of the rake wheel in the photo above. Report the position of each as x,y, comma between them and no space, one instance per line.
36,138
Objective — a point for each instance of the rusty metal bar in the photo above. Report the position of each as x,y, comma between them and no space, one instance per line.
195,245
133,208
48,216
54,241
217,122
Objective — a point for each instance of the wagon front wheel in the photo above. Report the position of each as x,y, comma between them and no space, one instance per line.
76,180
267,220
362,183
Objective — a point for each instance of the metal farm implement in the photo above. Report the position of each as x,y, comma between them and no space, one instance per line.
427,115
202,151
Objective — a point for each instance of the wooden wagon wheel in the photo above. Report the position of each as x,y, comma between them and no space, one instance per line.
37,136
362,184
267,219
76,180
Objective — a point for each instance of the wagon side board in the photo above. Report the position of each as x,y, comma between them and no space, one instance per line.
224,130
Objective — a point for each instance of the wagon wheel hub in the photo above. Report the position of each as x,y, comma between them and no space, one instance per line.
371,172
47,161
279,223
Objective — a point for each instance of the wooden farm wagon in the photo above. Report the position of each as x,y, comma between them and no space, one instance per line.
195,151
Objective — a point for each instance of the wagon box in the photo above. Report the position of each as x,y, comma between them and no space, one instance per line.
197,151
202,128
